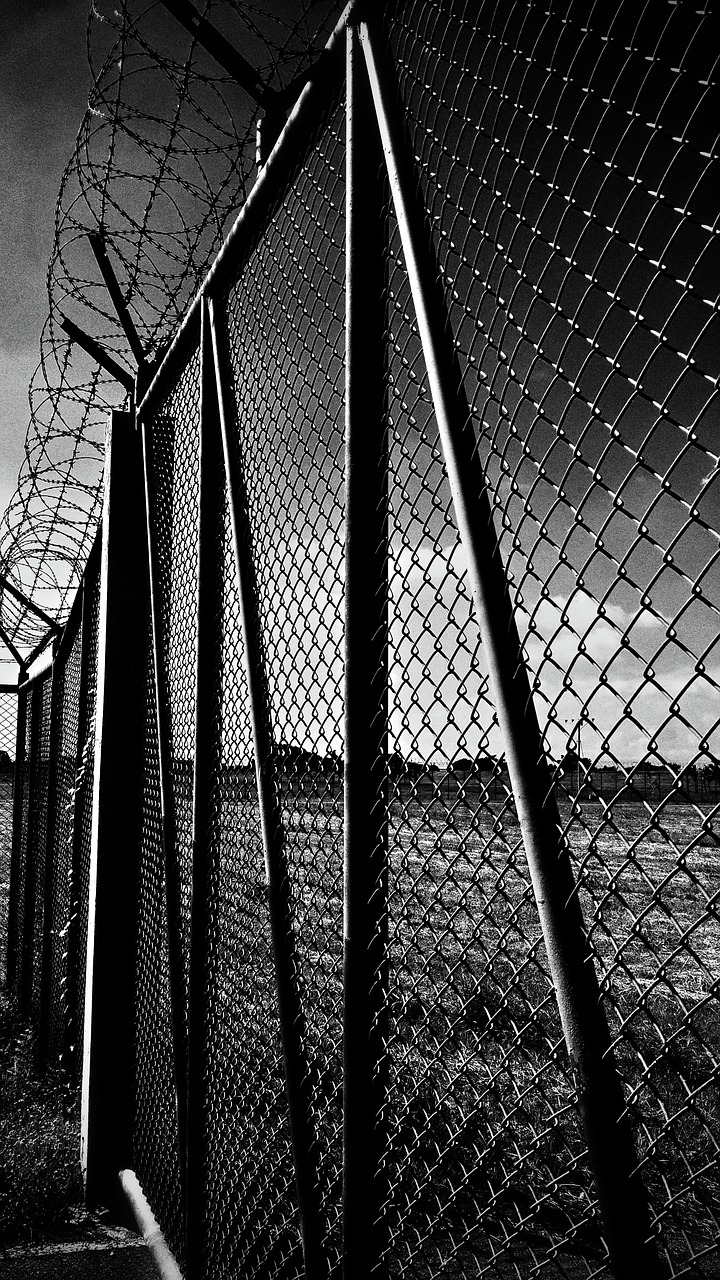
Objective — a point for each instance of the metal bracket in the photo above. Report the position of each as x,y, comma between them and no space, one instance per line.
98,353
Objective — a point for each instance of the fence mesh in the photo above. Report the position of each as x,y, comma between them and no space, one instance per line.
564,162
289,396
249,1148
82,821
8,737
47,925
18,883
29,923
63,908
8,725
485,1150
164,929
156,1146
570,201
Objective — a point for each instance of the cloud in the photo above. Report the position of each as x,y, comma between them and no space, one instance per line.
44,83
576,656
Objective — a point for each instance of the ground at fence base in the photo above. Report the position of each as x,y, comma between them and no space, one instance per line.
104,1253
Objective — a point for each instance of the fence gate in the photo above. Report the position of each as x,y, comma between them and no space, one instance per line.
395,856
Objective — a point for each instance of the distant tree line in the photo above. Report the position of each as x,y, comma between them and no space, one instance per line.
575,775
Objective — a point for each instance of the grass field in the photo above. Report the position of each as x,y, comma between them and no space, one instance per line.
478,1041
40,1184
486,1159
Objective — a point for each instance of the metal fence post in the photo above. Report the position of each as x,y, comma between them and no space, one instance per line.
83,755
49,937
107,1081
607,1127
292,1021
207,713
172,874
366,691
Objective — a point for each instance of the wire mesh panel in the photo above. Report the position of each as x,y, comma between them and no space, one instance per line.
294,477
38,866
25,914
82,820
175,448
8,727
51,842
565,162
34,850
60,896
20,835
549,205
251,1226
486,1154
155,1138
8,736
67,675
285,321
166,851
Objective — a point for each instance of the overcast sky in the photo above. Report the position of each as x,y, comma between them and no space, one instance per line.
523,345
44,85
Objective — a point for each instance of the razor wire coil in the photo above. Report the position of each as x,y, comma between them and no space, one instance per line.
163,160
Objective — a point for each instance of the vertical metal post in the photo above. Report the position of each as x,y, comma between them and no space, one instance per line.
207,721
366,691
19,841
607,1127
292,1021
172,873
108,1048
50,939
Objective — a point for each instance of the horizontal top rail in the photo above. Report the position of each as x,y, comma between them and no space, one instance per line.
326,77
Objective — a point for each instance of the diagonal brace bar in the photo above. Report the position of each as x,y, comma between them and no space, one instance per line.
97,244
34,608
600,1097
292,1019
11,649
42,644
224,53
98,354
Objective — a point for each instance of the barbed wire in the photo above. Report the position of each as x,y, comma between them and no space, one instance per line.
164,157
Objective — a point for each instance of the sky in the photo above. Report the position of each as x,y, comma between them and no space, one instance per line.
44,85
520,257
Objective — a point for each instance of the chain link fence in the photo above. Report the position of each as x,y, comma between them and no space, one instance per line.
50,861
563,166
8,740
